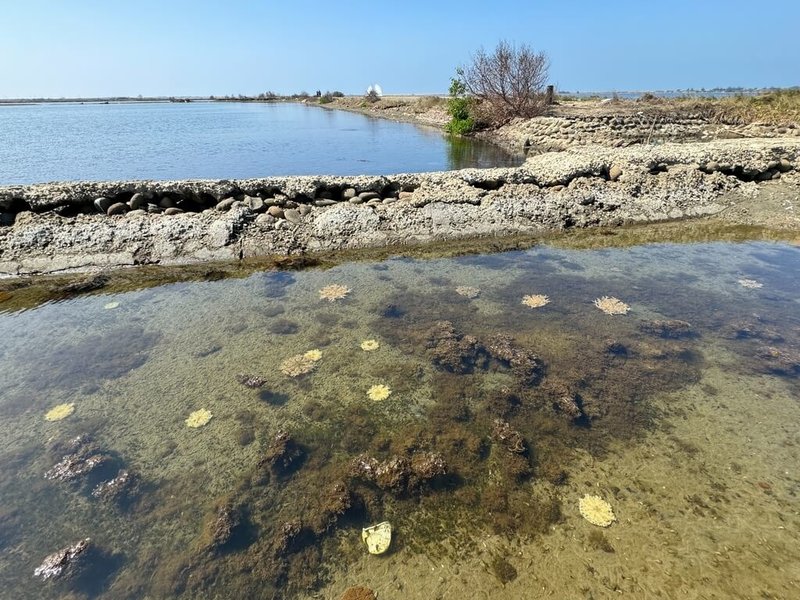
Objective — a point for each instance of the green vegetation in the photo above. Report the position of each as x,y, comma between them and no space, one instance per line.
459,107
328,97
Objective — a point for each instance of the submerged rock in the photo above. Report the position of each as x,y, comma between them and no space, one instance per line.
453,352
510,438
753,328
427,465
399,475
284,455
335,503
87,284
525,365
222,527
780,362
568,405
251,381
84,457
288,537
116,489
670,328
63,563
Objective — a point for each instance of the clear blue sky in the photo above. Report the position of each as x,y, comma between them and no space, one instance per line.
56,48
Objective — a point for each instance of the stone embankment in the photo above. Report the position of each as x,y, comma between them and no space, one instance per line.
58,227
566,129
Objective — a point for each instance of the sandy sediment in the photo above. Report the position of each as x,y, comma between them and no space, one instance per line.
58,227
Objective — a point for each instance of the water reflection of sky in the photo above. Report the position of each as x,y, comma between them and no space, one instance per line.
50,142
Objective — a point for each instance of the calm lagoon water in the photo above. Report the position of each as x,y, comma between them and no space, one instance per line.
682,414
64,142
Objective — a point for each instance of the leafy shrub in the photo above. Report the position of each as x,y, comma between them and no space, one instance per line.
459,107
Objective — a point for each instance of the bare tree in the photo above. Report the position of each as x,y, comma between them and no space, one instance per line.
509,82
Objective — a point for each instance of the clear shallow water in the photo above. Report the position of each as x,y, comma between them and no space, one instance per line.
686,424
64,142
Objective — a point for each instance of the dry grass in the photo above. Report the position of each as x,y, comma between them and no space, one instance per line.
781,107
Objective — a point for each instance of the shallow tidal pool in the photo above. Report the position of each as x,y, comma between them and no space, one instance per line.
231,437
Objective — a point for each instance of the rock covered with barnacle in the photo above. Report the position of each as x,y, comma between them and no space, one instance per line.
117,488
508,437
64,563
251,381
82,457
398,474
525,365
283,455
452,351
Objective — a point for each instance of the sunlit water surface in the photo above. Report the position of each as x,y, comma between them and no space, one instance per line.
682,414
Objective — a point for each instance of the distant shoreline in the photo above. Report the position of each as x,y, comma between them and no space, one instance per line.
625,94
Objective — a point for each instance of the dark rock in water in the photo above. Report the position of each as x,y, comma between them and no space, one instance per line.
251,381
207,351
453,352
87,284
227,520
616,348
392,474
525,365
426,466
112,354
503,570
780,362
398,475
276,284
364,467
116,489
393,311
335,502
84,458
568,405
64,563
284,455
284,327
289,537
510,438
753,329
670,328
273,311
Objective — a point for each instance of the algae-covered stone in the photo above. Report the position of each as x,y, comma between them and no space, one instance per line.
377,537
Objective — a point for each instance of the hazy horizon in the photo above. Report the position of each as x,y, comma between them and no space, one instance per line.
87,48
